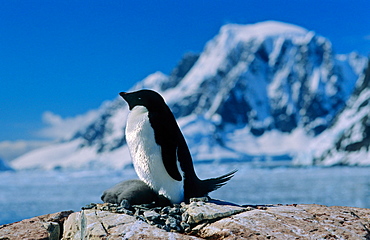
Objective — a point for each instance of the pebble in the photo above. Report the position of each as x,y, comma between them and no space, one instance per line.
125,204
172,222
170,218
151,215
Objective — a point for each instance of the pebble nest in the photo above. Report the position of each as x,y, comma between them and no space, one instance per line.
170,218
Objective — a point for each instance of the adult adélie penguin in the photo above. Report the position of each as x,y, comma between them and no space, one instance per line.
160,155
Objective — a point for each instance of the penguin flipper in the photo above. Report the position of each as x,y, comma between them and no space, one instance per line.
169,157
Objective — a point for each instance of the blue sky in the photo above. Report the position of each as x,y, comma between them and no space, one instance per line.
68,57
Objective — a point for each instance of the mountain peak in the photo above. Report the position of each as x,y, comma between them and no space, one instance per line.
262,29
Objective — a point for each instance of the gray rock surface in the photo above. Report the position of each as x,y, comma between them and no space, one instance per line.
203,220
293,222
49,226
96,224
210,221
197,212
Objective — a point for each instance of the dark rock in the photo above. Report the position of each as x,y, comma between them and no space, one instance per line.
172,222
151,215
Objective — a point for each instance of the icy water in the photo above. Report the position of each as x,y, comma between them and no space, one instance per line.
27,194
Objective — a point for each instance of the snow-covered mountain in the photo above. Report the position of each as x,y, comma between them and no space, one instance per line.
265,89
347,141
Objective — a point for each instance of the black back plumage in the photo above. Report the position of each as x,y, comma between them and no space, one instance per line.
173,145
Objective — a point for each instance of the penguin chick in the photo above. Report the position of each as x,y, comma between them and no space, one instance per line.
135,192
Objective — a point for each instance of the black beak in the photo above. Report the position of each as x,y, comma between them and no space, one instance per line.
126,97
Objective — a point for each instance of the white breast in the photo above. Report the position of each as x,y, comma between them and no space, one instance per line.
147,157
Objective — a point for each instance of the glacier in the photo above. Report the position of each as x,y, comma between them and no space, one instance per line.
257,93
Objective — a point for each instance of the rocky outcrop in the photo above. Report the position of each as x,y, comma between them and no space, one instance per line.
205,220
212,221
100,220
293,222
48,226
97,224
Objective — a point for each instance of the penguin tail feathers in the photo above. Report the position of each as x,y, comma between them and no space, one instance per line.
209,185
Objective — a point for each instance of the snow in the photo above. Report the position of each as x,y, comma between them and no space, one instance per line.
153,81
271,143
70,155
230,36
276,50
315,80
10,150
261,30
240,143
117,123
57,153
357,62
349,129
59,128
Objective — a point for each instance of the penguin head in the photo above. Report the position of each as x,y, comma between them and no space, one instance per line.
147,98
